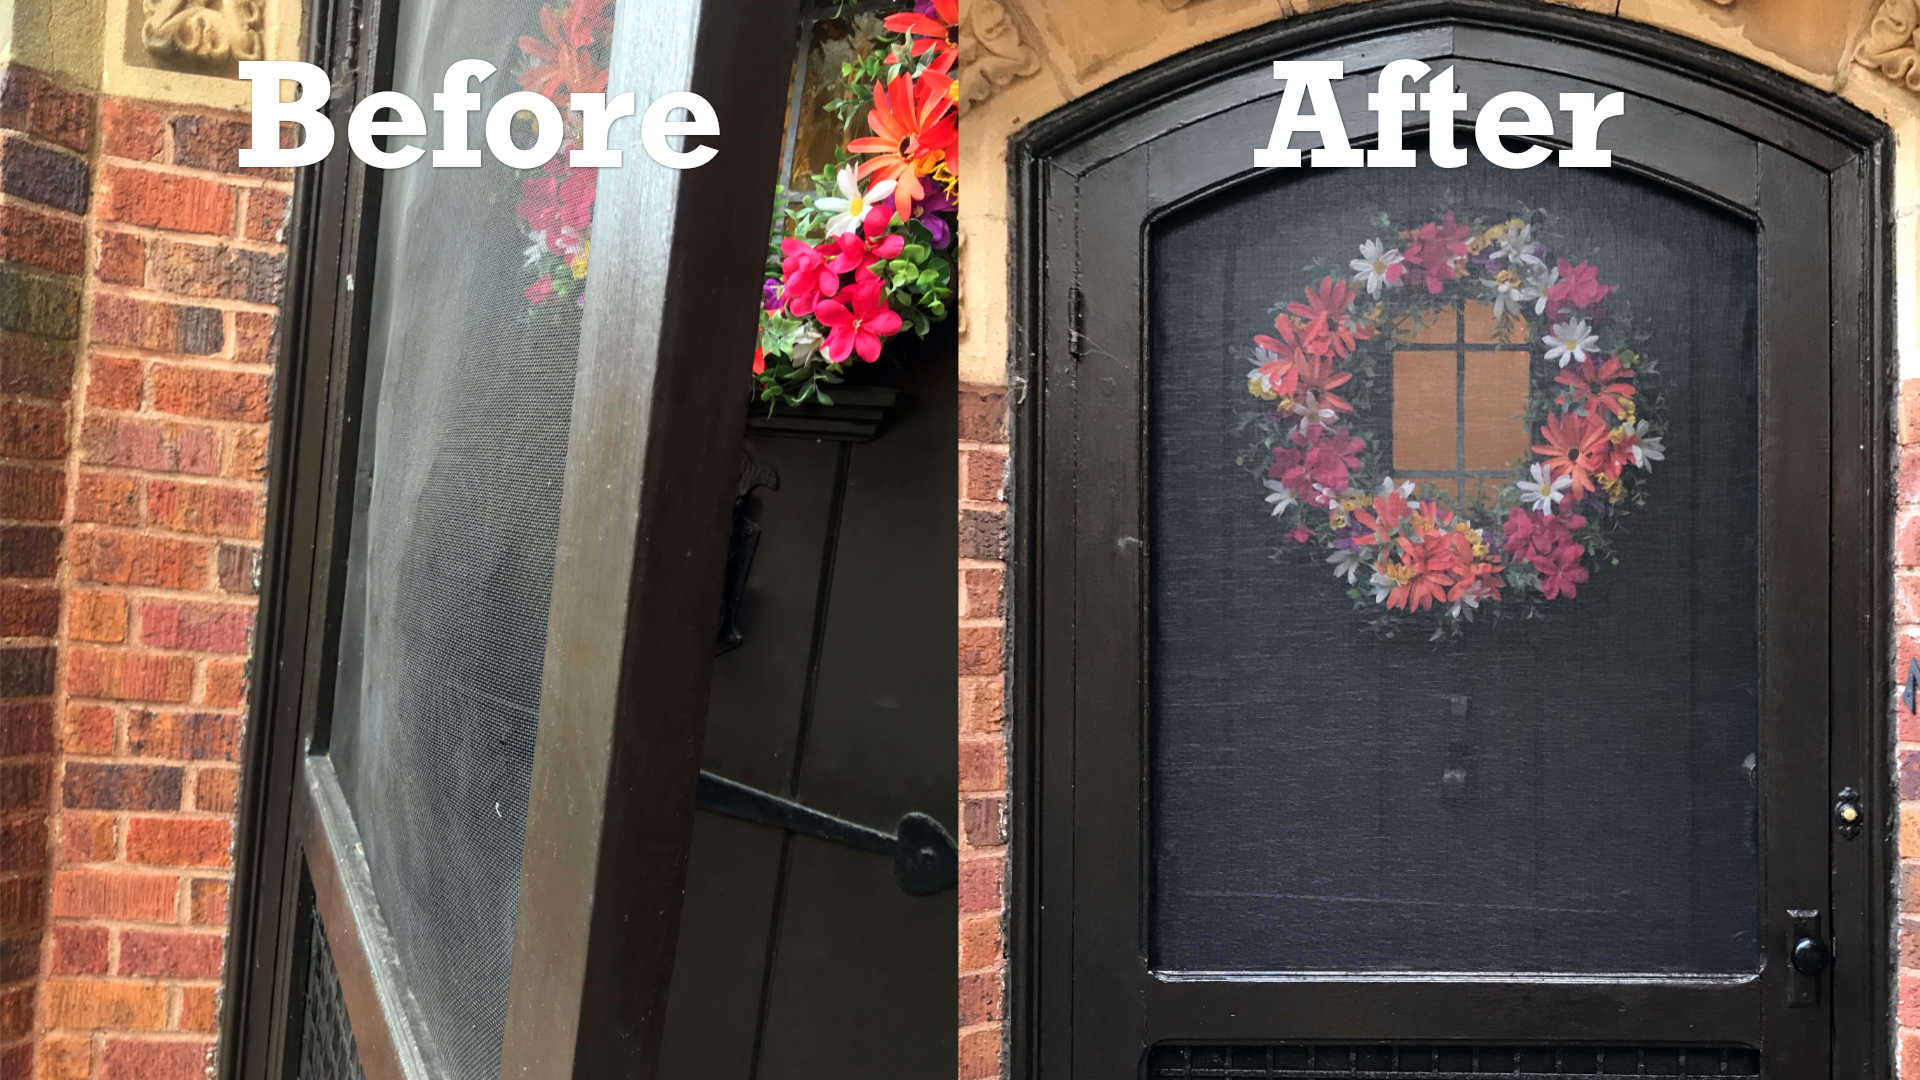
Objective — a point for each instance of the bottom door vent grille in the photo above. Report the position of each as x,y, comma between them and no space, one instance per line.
1304,1061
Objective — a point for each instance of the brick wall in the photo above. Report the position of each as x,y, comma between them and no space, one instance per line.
983,737
139,273
45,132
1906,618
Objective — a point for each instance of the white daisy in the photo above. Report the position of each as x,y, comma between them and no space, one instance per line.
1377,267
1647,449
1569,342
1346,563
850,207
1545,489
1405,487
1382,585
1511,293
536,246
1281,499
1542,283
1470,600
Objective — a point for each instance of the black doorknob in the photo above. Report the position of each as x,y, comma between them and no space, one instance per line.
1810,956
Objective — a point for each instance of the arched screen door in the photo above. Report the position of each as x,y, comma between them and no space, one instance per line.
1450,653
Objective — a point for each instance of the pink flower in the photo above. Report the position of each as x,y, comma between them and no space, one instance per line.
1319,461
858,324
1578,285
1439,248
805,277
1561,571
538,291
854,251
1533,532
1299,534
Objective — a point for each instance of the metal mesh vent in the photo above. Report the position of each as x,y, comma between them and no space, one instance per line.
326,1035
1305,1062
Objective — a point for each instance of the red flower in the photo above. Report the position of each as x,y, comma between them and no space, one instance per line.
938,29
858,325
1439,248
1576,446
1319,461
1426,571
805,277
854,251
1561,571
1578,285
1325,325
1533,532
1598,385
539,290
566,62
759,360
914,132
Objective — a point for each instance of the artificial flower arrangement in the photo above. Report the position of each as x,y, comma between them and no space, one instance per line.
870,254
556,201
1408,553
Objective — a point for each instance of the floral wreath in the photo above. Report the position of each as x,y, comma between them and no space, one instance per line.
1404,551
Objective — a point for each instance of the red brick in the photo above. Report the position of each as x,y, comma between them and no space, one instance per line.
23,787
29,551
136,559
31,102
26,671
93,1005
106,499
23,904
980,885
983,535
78,950
980,942
16,1013
162,954
23,846
1909,1007
42,240
113,382
1909,412
212,510
239,567
158,326
129,676
214,142
980,998
985,476
32,493
26,727
166,841
981,650
151,445
199,1009
167,201
982,706
226,684
33,430
983,765
214,393
29,611
65,1058
984,589
37,368
101,786
142,1059
255,337
216,270
984,822
266,216
209,902
183,736
88,730
249,458
122,259
88,838
130,130
980,1053
215,789
983,414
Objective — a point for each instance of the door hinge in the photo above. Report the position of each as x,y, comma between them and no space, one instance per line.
1076,322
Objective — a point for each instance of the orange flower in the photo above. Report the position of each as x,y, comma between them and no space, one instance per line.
914,133
566,62
938,30
1576,447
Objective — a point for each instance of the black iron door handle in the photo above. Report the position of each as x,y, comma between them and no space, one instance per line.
925,859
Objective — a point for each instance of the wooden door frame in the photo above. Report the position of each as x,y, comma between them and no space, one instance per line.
1853,151
656,424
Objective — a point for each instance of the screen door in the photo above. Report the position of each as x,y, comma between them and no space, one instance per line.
1444,687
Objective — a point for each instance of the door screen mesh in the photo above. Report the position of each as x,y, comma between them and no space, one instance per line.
471,365
1573,793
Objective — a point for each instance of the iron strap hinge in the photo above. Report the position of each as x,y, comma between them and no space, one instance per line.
925,859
